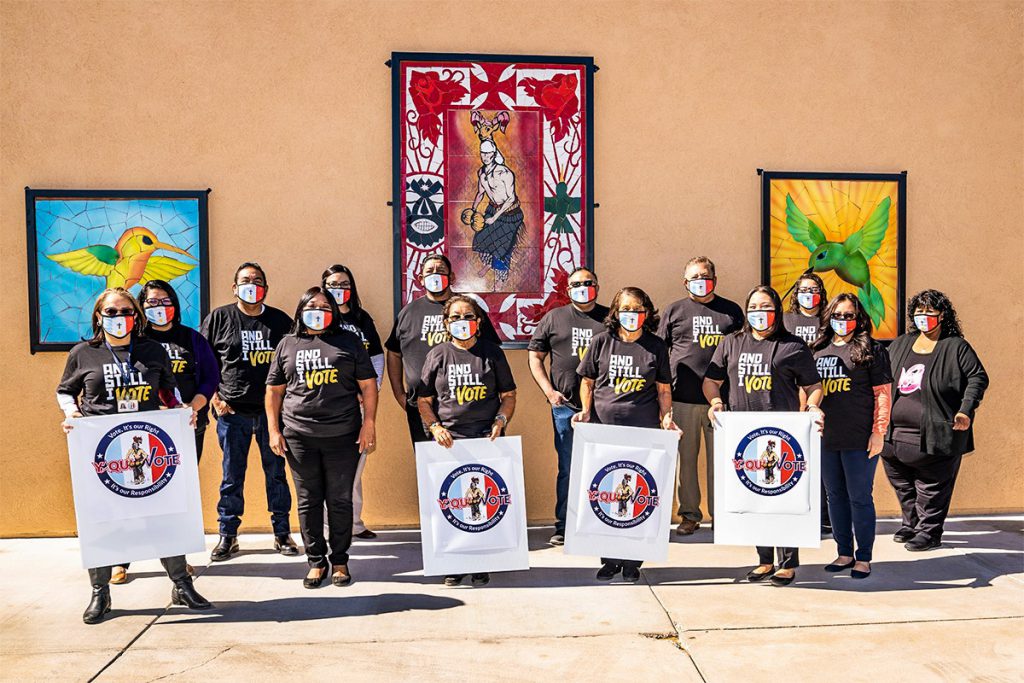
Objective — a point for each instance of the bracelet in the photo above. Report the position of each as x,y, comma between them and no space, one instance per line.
431,426
811,406
499,416
717,402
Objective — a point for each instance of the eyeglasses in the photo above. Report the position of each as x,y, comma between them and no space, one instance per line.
844,316
632,310
339,285
583,283
252,281
808,290
315,308
110,312
699,277
456,318
158,302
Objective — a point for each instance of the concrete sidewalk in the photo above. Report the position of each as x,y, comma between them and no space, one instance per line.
953,614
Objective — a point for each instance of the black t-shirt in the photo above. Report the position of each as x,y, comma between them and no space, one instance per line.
763,374
907,408
693,331
626,377
244,346
807,327
849,396
465,385
361,324
138,374
418,328
322,374
566,333
177,342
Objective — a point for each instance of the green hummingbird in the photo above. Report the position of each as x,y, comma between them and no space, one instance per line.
850,258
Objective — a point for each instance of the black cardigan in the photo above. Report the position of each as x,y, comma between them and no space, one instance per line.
955,383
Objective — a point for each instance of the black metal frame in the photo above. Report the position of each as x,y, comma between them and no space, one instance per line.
397,202
31,195
901,232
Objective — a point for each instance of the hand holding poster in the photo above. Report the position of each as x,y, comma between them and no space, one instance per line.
472,506
136,486
767,479
620,491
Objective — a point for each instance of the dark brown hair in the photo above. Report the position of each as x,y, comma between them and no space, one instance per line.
860,344
650,323
138,329
299,327
778,329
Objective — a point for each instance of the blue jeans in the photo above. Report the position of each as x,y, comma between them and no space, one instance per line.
235,433
561,418
849,476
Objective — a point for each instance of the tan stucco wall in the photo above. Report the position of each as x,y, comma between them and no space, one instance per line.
284,110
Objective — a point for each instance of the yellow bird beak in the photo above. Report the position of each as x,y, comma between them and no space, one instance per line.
176,250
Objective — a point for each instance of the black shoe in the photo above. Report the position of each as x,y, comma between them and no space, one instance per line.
454,579
922,542
226,547
98,606
481,579
366,534
839,567
631,574
608,571
285,545
783,580
858,574
754,576
325,570
185,593
826,528
904,535
341,577
558,538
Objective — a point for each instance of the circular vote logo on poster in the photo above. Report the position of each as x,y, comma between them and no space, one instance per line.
769,461
136,459
474,498
623,494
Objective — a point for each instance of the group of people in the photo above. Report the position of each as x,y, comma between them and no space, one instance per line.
305,388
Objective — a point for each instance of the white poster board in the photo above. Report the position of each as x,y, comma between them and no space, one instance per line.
472,506
136,486
620,492
767,479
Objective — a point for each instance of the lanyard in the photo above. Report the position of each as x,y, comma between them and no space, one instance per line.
126,376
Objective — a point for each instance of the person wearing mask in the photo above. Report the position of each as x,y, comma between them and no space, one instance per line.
693,327
244,335
630,340
939,383
565,334
119,356
466,390
339,281
767,350
322,387
419,327
856,387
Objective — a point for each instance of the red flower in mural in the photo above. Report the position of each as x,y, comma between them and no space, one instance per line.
432,94
554,299
557,97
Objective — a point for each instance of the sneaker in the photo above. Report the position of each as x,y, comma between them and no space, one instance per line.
608,571
454,579
557,539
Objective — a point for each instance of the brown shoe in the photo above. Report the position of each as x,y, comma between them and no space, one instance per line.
341,577
118,575
687,527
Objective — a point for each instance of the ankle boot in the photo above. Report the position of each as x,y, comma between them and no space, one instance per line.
185,593
98,606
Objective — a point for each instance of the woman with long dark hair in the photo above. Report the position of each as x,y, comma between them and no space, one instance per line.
938,384
767,351
856,383
318,380
119,361
630,339
478,368
806,315
340,282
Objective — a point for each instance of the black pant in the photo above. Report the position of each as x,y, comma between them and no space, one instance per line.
174,566
789,558
417,430
924,486
622,563
324,470
200,439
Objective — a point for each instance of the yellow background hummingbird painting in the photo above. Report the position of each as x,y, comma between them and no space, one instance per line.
84,245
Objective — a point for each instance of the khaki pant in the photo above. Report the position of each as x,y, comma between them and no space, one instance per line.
693,420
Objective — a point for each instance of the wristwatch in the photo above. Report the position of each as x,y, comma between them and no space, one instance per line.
431,426
499,416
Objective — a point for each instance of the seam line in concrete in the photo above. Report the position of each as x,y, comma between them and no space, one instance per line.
845,624
125,648
675,629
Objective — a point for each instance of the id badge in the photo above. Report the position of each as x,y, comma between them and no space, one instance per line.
126,406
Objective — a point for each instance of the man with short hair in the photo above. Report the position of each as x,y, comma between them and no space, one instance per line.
565,333
693,327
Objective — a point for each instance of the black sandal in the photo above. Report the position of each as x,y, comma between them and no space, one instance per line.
754,576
